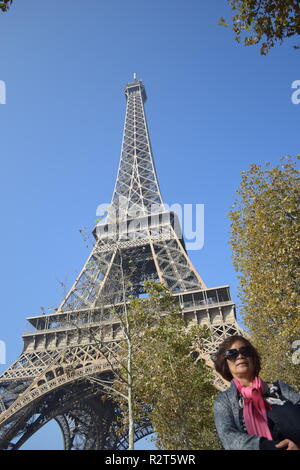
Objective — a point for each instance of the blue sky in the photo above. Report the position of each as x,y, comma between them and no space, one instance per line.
214,107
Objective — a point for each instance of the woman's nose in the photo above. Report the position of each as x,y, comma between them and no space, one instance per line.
240,355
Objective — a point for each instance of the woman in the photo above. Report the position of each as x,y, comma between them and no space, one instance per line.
250,414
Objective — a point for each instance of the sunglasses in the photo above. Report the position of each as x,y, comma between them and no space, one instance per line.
232,354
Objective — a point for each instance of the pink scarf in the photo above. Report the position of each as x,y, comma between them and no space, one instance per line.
255,407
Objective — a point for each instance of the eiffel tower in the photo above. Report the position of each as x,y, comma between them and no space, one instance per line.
50,378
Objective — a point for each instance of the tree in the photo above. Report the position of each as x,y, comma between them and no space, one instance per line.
264,21
118,385
5,4
265,240
175,390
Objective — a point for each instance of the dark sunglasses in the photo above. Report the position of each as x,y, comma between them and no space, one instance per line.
232,354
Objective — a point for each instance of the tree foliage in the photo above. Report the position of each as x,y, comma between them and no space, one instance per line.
170,388
5,4
265,240
264,21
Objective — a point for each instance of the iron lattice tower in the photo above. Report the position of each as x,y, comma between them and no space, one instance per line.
50,378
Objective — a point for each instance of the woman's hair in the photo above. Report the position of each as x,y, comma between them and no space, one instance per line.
221,365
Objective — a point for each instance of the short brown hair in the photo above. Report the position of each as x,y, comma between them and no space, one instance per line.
221,365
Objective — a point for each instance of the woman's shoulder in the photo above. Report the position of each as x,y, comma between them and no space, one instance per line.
225,403
278,385
282,390
224,396
221,397
273,386
289,392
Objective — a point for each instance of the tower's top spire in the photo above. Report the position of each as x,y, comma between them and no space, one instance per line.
136,186
136,86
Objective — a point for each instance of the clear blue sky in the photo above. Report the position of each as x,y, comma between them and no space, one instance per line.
214,107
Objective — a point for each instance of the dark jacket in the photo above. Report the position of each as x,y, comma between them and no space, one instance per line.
229,428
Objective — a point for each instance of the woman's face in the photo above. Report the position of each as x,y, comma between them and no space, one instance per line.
241,367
